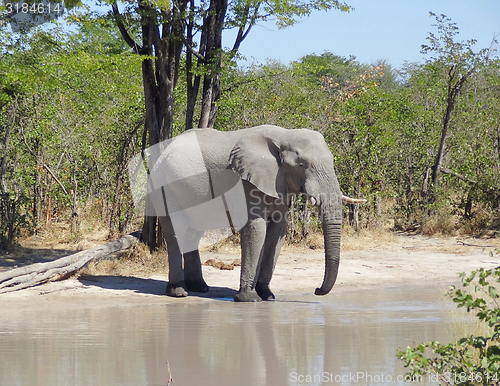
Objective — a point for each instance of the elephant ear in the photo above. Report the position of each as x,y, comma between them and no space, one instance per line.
257,159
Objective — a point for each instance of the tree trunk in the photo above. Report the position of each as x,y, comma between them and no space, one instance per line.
75,221
498,146
436,169
454,89
305,219
192,81
468,207
378,205
354,216
425,186
6,147
159,80
165,42
409,191
213,26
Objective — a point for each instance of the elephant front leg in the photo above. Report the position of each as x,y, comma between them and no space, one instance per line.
252,244
275,236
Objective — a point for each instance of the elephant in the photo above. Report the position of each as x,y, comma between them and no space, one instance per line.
273,163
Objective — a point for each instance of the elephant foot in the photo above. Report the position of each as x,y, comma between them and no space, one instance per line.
264,292
197,286
176,290
247,296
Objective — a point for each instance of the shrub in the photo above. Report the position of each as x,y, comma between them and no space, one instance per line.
472,360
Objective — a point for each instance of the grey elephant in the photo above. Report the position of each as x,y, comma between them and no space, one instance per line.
273,163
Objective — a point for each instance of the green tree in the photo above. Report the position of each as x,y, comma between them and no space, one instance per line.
169,28
74,124
458,62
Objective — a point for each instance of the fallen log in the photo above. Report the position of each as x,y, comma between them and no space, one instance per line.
31,275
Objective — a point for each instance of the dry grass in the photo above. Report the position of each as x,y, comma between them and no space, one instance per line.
465,324
447,219
366,238
441,222
228,245
314,240
57,235
136,261
351,240
376,233
446,222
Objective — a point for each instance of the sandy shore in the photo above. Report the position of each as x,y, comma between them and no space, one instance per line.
404,261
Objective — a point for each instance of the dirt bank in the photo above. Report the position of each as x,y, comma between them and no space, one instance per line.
402,261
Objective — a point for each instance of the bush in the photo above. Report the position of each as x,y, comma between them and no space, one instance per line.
472,360
13,217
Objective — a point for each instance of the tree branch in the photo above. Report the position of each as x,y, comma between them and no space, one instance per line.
60,80
128,39
198,56
187,42
242,34
458,175
253,80
44,165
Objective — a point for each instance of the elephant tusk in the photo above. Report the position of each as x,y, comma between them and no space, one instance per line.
349,200
312,200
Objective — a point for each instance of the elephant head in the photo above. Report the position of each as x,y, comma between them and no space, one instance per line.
281,163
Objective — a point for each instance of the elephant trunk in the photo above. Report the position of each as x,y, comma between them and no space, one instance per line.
331,233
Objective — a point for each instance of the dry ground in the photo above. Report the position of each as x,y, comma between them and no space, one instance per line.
367,261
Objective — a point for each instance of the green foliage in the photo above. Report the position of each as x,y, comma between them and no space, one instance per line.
97,34
384,129
70,121
286,13
271,94
472,360
452,54
14,216
71,116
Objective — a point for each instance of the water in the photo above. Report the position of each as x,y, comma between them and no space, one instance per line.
303,340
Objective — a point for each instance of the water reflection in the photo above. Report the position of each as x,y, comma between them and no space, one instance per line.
217,342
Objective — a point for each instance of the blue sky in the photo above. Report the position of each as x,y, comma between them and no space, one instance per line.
392,30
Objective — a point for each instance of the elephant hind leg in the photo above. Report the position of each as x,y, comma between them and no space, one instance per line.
176,286
193,276
176,290
264,291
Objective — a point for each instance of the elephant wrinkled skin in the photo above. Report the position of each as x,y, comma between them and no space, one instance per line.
274,163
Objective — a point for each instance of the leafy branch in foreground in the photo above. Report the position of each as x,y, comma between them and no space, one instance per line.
472,360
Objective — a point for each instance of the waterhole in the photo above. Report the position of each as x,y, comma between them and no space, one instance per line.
345,339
